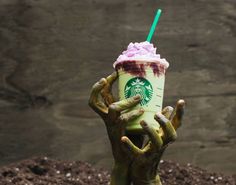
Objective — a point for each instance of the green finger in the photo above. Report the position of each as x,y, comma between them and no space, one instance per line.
167,127
107,90
130,147
178,114
129,116
94,101
167,111
125,104
112,78
154,136
97,87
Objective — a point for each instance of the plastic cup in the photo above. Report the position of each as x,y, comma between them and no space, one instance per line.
147,79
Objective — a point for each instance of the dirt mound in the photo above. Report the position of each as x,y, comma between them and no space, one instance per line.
45,171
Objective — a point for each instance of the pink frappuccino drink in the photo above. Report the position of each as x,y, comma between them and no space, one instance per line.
142,71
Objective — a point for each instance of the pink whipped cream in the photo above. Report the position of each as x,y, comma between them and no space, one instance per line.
141,51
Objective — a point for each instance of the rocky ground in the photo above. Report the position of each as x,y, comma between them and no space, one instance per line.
45,171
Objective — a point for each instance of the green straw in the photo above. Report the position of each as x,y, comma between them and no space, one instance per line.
154,24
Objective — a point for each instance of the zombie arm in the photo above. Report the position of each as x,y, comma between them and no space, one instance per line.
145,162
131,163
102,102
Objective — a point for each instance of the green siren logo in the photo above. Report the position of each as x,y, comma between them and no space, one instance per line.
139,86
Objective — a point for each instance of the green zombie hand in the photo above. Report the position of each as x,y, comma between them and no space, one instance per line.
145,162
131,163
102,102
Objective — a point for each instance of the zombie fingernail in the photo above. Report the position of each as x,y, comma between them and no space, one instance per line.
143,124
101,81
137,97
158,115
141,110
181,102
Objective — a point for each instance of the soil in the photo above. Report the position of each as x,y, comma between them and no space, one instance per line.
45,171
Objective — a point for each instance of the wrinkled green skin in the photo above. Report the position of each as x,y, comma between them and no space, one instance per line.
135,160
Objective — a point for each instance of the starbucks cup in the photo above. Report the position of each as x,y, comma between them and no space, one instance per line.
144,78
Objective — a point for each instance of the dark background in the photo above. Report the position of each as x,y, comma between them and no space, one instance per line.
52,51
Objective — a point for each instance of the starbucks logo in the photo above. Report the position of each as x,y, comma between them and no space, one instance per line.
139,86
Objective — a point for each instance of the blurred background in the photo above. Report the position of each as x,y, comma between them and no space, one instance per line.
52,52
